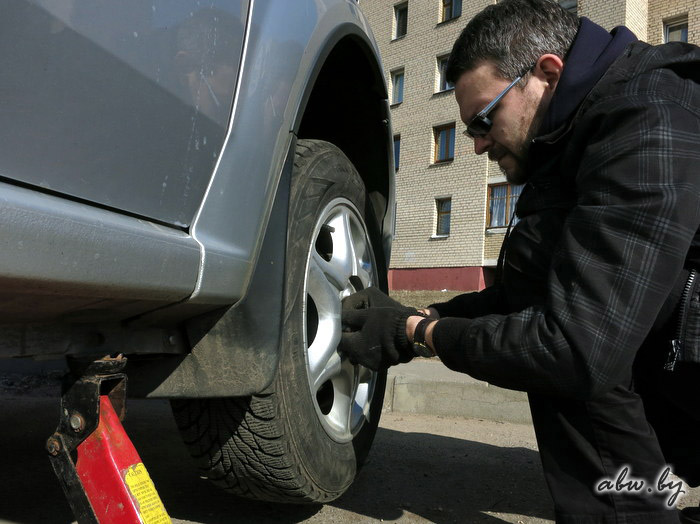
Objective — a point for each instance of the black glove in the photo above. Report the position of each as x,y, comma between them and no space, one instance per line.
374,330
372,297
377,337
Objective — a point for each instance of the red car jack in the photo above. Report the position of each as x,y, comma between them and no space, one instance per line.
97,465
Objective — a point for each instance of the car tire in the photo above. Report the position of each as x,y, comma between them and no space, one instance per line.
303,439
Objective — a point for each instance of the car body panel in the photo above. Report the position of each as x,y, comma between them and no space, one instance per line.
283,54
209,264
68,260
123,104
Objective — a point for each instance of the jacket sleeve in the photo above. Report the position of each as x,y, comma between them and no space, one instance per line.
471,305
622,246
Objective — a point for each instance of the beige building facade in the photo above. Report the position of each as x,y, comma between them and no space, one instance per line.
453,206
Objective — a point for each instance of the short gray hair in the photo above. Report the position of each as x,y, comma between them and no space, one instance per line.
513,34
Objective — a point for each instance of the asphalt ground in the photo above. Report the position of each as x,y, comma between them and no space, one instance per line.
449,449
422,468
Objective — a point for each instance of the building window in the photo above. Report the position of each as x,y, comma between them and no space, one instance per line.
569,5
444,143
397,86
451,9
676,31
443,206
502,199
400,20
443,84
397,151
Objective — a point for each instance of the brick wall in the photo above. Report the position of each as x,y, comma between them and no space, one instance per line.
419,181
631,13
492,246
664,11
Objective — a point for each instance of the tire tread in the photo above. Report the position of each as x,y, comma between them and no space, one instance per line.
241,444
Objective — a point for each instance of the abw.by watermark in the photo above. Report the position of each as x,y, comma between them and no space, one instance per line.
665,484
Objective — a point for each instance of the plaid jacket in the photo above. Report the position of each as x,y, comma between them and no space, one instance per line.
609,219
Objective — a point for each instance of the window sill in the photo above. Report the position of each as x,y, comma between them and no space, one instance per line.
500,230
439,237
395,104
444,92
438,163
396,39
445,22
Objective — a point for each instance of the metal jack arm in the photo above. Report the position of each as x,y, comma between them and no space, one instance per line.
96,463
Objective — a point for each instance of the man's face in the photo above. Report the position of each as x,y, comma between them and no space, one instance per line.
515,119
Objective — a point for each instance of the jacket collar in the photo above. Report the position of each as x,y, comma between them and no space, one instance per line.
592,53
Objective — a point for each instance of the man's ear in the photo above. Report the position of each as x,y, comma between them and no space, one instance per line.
549,69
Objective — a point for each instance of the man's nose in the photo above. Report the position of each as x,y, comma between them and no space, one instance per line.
481,144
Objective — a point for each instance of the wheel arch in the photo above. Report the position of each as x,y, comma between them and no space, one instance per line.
346,82
346,104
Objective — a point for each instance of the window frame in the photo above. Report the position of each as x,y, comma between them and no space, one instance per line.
573,8
398,8
437,130
509,204
441,76
455,7
394,74
672,24
440,214
397,152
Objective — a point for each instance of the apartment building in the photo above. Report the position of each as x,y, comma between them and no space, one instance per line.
453,207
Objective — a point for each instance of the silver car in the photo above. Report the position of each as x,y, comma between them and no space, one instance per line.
197,185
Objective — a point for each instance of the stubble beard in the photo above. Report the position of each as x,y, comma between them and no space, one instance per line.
519,175
515,176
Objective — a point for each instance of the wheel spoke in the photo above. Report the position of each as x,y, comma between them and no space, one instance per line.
344,384
361,254
362,393
332,367
352,412
365,276
325,294
322,351
335,274
364,375
342,264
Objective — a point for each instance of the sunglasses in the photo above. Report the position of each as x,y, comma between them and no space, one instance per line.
480,125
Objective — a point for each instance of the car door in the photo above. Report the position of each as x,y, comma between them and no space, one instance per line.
124,105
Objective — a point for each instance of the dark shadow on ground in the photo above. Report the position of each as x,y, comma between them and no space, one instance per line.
445,479
440,479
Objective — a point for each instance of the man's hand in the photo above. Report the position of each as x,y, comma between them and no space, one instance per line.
374,328
377,337
372,297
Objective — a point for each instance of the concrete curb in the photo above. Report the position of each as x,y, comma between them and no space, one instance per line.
423,386
426,386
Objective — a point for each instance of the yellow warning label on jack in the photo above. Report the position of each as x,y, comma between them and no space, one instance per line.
144,493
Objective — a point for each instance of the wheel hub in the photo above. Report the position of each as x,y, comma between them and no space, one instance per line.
340,263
